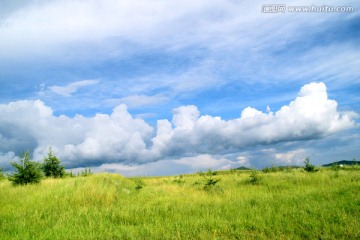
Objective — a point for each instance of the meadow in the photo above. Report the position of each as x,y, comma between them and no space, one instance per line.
235,204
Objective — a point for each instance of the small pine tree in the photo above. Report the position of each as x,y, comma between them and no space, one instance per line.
84,173
52,167
308,166
27,171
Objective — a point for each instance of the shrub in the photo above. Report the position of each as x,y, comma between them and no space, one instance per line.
69,174
288,169
233,171
254,178
139,183
309,167
209,180
271,169
52,167
274,169
335,167
84,173
27,171
211,173
179,180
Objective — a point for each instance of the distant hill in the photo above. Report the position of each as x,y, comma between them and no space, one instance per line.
343,162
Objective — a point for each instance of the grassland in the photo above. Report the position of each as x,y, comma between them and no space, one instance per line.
292,204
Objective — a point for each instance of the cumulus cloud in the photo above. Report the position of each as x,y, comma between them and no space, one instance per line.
310,116
284,154
120,138
6,159
32,125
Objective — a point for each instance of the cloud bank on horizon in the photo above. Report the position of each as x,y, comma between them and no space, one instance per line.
165,87
120,138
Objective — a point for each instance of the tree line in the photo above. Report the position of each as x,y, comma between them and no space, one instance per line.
28,171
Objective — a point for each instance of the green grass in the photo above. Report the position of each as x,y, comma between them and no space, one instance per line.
284,205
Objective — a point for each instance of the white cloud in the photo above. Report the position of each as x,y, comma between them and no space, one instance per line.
205,161
244,161
184,165
72,88
120,138
310,116
234,39
55,24
336,63
198,77
51,26
295,157
277,155
6,159
31,124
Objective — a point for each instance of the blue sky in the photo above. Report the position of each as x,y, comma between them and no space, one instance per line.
160,87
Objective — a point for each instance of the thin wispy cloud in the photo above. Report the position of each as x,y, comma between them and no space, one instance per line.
68,90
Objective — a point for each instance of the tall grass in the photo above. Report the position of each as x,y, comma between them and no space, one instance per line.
284,205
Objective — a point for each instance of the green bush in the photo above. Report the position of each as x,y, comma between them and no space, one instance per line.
26,172
309,167
271,169
70,174
254,178
179,179
209,180
84,173
274,169
335,167
52,167
209,172
139,183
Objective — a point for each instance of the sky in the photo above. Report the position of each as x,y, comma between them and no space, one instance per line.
171,87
